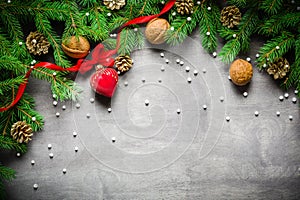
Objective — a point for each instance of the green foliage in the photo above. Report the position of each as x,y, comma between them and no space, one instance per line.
5,174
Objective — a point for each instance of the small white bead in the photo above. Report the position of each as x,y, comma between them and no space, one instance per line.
32,162
77,105
64,107
33,119
109,14
20,43
54,103
88,115
174,14
57,114
162,68
18,154
64,170
188,19
229,78
294,99
167,61
76,149
278,113
234,35
74,134
51,155
33,61
290,117
172,28
256,113
147,102
296,91
54,96
214,54
143,80
109,110
204,70
187,68
198,2
204,107
208,8
207,33
49,146
248,59
281,97
286,95
264,65
8,1
162,55
292,1
178,111
195,72
245,94
298,8
35,186
257,55
126,83
227,118
113,139
222,98
189,79
92,100
135,29
277,47
54,74
177,60
87,14
162,2
181,63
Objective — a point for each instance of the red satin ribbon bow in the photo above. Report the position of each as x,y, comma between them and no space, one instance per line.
98,56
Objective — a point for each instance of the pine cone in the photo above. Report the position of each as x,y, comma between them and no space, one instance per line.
279,68
123,63
230,16
184,7
21,132
37,43
114,4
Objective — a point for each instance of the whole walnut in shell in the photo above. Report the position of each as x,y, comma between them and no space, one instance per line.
156,30
240,72
76,47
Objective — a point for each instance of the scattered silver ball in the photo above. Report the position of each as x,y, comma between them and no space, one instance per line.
143,80
214,54
147,102
64,170
54,96
204,107
109,14
222,98
33,119
20,43
286,95
207,33
290,117
177,61
264,65
162,68
32,162
234,35
248,59
245,94
167,61
54,73
77,105
18,154
126,83
189,79
296,91
135,29
178,111
172,28
181,63
57,114
162,2
227,118
74,134
198,2
278,113
195,72
209,8
162,55
187,68
204,71
87,14
294,99
92,100
173,13
229,78
277,47
113,139
257,55
256,113
119,72
188,19
35,186
51,155
54,103
281,98
109,110
76,149
49,146
64,107
88,115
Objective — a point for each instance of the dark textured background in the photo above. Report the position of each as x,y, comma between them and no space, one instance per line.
158,153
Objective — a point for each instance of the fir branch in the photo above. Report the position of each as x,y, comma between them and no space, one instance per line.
275,48
4,44
271,6
65,89
12,25
7,84
11,63
6,173
238,3
127,41
10,144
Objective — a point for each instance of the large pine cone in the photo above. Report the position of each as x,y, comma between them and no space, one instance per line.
37,43
184,7
21,132
230,16
114,4
279,68
123,63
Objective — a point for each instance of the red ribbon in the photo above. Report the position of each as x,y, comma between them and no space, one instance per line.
98,56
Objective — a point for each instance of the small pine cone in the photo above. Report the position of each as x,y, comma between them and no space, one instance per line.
37,43
230,16
21,132
279,68
123,63
184,7
114,4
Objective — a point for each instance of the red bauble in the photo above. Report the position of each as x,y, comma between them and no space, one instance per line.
104,81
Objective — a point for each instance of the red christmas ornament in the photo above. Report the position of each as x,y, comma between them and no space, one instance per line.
104,81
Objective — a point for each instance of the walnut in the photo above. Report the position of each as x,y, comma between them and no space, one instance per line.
156,29
240,72
76,47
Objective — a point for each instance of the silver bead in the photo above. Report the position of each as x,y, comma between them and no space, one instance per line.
49,146
257,55
57,114
204,107
167,61
162,68
204,71
126,83
76,149
245,94
20,43
162,55
209,8
214,54
207,33
290,117
277,47
188,19
35,186
113,139
234,35
77,105
222,98
256,113
227,118
189,79
109,110
33,119
64,107
281,98
286,95
74,134
195,72
32,162
64,170
51,155
87,14
187,68
147,102
294,99
248,59
54,103
92,100
181,63
88,115
278,113
177,61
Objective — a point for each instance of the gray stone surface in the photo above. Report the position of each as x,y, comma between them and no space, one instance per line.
161,152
